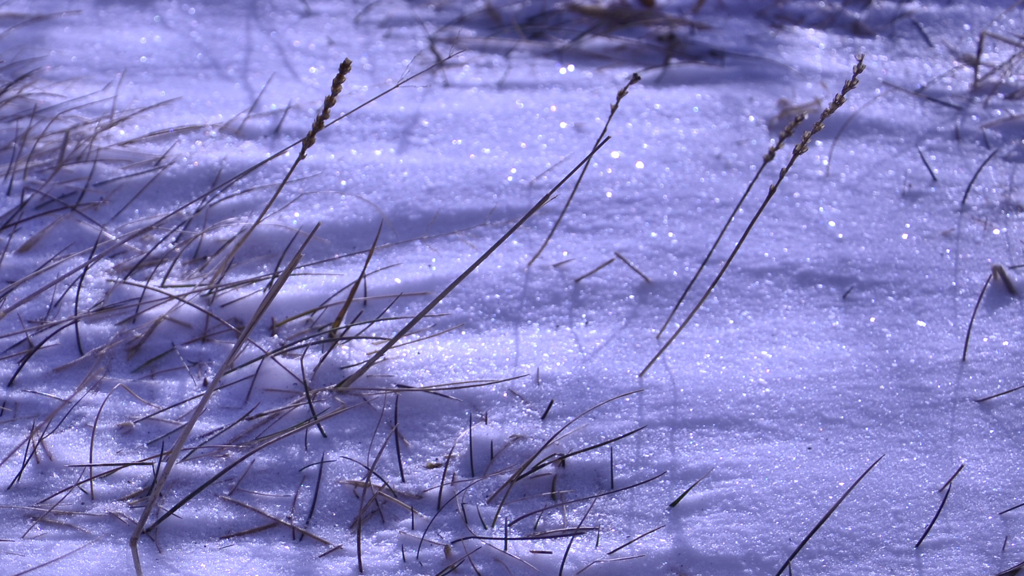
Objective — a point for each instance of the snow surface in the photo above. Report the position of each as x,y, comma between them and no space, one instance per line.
834,338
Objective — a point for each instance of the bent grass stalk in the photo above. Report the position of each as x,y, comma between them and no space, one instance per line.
1000,275
350,380
318,124
597,144
798,150
947,487
772,151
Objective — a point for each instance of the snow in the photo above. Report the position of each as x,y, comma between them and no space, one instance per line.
834,338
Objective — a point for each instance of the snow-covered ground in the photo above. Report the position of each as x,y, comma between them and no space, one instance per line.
181,333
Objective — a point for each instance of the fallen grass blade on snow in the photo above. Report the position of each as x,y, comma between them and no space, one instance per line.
789,561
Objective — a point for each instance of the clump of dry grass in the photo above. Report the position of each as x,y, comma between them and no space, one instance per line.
145,304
